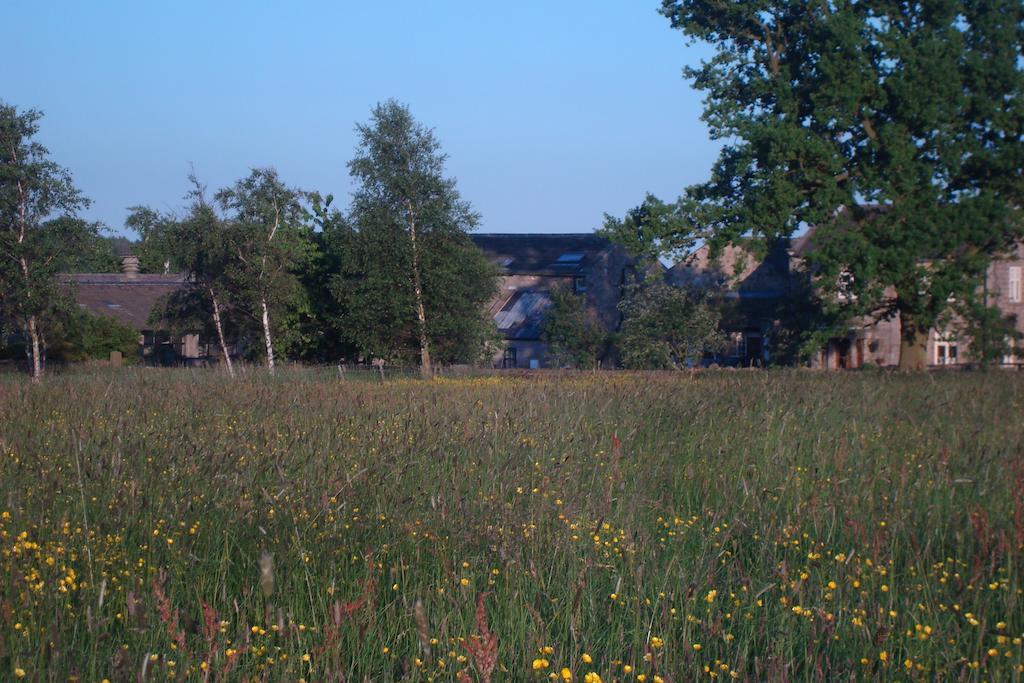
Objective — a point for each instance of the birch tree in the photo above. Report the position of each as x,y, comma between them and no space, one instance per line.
414,218
198,245
268,236
34,189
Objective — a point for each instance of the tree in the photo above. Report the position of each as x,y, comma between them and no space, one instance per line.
893,128
95,253
156,248
573,337
83,336
34,189
269,238
410,271
666,327
199,244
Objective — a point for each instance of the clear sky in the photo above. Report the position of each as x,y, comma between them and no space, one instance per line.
552,113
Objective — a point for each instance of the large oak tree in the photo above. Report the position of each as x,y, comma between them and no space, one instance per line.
893,129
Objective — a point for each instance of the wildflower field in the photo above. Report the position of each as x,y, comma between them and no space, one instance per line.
175,525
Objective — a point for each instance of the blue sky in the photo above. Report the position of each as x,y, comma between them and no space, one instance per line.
552,113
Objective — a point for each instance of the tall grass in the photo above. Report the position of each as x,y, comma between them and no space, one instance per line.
161,525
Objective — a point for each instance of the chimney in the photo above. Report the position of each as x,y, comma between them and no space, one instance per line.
130,266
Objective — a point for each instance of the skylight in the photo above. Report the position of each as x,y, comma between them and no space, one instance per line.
570,257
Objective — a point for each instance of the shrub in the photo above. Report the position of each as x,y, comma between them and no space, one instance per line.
85,336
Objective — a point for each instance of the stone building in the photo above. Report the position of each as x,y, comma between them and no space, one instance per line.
129,296
531,266
757,293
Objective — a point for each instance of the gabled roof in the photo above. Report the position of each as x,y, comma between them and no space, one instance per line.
126,298
565,254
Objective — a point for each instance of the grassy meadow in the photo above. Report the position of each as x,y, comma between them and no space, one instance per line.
175,525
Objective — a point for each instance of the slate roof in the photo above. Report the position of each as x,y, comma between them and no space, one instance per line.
564,254
126,298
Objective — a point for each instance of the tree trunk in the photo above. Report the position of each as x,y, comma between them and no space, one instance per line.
37,364
266,336
913,344
220,333
426,371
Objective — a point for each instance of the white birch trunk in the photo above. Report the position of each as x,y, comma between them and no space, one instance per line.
426,371
220,334
266,335
37,364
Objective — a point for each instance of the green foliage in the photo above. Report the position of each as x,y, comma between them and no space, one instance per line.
993,335
199,245
666,327
892,128
157,249
95,253
37,200
84,336
323,324
653,229
573,337
269,234
407,233
249,253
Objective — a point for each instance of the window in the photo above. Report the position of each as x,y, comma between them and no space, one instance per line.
509,360
1010,357
579,285
1013,293
945,351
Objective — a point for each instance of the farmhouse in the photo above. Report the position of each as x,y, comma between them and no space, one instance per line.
129,296
531,266
758,295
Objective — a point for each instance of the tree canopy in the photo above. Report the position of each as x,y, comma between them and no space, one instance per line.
667,327
411,281
892,129
38,232
573,337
